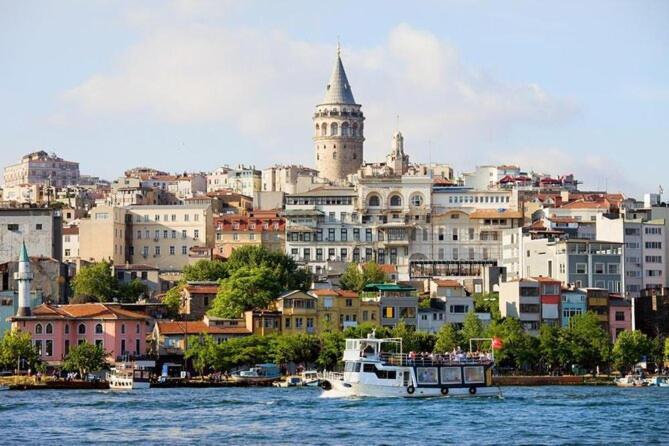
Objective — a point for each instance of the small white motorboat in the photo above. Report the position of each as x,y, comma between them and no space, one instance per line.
630,381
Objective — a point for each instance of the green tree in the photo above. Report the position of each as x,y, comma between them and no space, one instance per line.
243,351
628,349
520,349
357,276
447,339
472,327
205,270
351,279
408,335
246,288
298,348
488,303
285,271
95,281
551,346
366,328
331,350
172,299
587,342
131,291
16,345
202,352
85,358
666,349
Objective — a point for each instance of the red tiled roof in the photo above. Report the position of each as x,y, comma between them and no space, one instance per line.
545,279
202,289
256,223
85,311
448,283
71,230
196,327
583,204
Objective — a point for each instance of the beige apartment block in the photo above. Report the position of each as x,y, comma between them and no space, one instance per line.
102,236
164,236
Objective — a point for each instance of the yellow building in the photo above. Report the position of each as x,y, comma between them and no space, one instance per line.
340,309
102,236
299,313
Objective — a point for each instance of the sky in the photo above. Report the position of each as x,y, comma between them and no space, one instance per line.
558,87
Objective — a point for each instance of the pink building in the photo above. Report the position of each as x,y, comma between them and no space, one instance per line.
620,316
56,328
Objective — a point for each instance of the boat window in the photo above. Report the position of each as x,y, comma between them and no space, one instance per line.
369,368
386,374
451,375
352,367
474,375
427,375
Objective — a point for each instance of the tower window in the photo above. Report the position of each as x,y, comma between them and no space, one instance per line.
334,129
396,200
334,155
355,155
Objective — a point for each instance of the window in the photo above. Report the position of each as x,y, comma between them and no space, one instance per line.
349,302
184,234
458,308
122,328
331,235
49,328
82,329
99,343
67,329
172,252
581,268
613,268
620,315
48,347
416,200
388,312
196,234
599,268
344,234
184,250
395,200
38,329
38,347
157,250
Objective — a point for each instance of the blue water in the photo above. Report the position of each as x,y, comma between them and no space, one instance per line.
527,415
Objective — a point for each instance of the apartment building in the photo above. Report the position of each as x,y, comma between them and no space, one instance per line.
42,168
521,299
290,179
341,309
168,237
39,228
583,263
245,180
397,303
299,312
259,228
103,235
573,303
70,243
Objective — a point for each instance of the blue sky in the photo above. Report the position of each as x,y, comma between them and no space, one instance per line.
567,87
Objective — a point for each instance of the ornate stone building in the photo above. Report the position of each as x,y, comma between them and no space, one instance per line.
338,127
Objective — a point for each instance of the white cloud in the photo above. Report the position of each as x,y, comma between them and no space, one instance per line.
265,84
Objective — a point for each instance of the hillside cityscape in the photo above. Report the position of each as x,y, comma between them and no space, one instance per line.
200,268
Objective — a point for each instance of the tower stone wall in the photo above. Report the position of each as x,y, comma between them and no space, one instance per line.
338,128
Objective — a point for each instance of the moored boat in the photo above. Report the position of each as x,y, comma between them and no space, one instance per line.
378,368
260,374
630,381
131,375
658,381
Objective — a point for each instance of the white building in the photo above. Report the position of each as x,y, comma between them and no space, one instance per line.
290,179
245,180
39,228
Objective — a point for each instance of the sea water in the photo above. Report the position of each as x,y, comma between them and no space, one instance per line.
294,416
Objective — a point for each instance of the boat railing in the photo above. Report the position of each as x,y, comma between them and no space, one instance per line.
331,376
432,360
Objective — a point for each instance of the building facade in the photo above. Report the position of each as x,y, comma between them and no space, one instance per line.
42,168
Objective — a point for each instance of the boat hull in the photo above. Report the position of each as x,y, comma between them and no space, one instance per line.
340,389
128,384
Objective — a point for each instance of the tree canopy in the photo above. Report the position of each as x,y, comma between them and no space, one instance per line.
205,270
256,276
96,283
629,348
447,339
357,276
85,358
16,345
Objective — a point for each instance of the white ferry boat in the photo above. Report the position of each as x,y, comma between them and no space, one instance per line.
131,375
372,371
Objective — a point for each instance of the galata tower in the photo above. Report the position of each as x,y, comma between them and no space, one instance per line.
338,128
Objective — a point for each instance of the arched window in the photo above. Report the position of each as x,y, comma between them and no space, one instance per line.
82,329
38,329
49,328
395,200
344,129
416,200
67,328
318,157
374,201
324,129
98,328
334,129
318,128
354,129
122,328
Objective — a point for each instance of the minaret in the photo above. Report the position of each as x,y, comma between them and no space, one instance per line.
25,277
338,127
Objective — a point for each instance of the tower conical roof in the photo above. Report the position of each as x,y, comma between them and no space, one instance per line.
338,90
23,257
